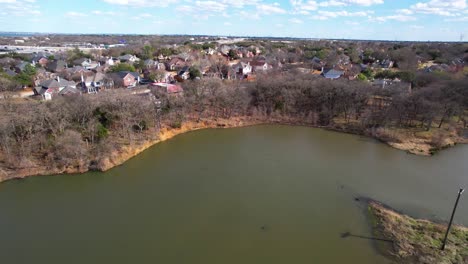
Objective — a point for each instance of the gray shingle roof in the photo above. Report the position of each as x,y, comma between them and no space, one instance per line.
333,74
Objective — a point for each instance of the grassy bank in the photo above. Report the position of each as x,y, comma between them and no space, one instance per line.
418,241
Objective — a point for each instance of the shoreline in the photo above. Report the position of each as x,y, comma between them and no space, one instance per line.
415,240
411,145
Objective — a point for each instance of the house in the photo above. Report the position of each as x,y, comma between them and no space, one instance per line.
386,64
185,56
332,74
21,66
175,63
388,84
249,54
86,63
381,83
243,68
107,61
75,70
343,59
79,62
160,66
41,75
224,49
210,51
155,64
316,60
56,66
93,83
149,63
162,57
259,66
125,79
128,58
40,59
52,86
437,68
69,91
184,73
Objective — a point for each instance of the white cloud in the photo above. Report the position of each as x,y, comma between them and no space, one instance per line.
267,9
364,2
405,11
458,19
240,3
332,3
141,3
304,7
101,13
296,21
318,17
228,24
401,18
210,6
75,14
440,7
248,15
20,8
350,2
323,15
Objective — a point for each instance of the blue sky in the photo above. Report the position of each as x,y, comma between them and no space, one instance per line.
423,20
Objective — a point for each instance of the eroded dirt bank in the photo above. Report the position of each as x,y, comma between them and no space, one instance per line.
403,140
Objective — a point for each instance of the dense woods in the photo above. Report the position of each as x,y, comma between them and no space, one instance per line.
78,131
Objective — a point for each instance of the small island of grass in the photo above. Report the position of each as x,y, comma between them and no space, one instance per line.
418,241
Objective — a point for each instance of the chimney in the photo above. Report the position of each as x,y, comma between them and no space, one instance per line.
58,79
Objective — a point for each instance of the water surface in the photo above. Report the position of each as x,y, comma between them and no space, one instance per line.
262,194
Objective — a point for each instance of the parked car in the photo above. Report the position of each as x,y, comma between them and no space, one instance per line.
146,81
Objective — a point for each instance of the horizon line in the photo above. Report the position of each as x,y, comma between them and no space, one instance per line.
22,33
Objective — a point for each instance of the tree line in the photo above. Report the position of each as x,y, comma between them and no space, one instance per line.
78,131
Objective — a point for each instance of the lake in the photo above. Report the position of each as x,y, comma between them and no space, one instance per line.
261,194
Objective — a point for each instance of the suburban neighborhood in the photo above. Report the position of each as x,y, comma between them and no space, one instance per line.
46,74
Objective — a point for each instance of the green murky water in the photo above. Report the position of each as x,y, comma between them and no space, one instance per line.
263,194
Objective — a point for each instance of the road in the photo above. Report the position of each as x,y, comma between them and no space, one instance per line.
31,49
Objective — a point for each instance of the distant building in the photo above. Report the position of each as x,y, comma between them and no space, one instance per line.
125,79
52,86
332,74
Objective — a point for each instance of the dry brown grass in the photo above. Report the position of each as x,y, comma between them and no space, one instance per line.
419,241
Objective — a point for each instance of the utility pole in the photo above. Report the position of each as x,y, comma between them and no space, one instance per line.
451,218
